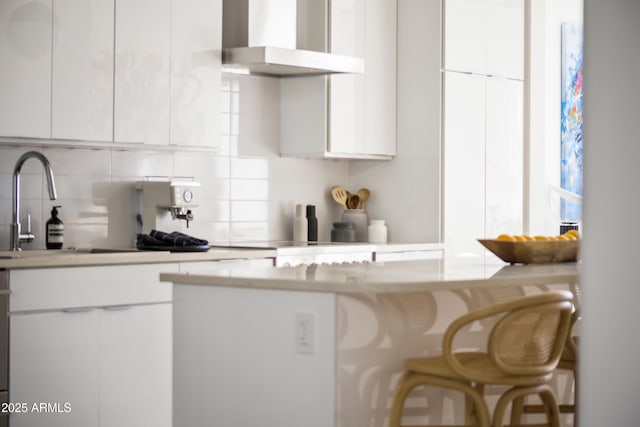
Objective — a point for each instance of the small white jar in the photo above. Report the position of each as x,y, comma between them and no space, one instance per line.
377,231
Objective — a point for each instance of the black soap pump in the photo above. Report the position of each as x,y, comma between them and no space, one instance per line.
55,230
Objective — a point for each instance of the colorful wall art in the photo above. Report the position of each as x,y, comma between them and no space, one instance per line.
571,121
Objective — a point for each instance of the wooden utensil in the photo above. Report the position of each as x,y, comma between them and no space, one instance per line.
353,201
363,194
340,196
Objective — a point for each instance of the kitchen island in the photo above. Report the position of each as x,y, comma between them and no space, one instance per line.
323,345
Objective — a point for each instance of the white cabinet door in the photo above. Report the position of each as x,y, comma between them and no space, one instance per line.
346,91
53,360
505,38
142,71
465,35
504,156
380,77
196,28
484,37
25,69
464,166
483,159
135,366
347,116
82,75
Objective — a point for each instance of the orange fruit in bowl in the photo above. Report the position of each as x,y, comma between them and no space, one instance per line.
519,238
540,238
574,233
563,237
506,238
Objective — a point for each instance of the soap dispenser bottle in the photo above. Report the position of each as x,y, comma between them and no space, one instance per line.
55,230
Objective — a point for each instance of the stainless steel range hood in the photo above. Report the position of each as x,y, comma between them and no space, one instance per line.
280,38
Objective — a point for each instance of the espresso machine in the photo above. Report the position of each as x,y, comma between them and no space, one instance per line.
166,205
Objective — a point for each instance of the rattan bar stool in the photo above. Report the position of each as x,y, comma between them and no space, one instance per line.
568,362
523,349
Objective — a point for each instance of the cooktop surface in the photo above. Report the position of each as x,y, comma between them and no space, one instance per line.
277,244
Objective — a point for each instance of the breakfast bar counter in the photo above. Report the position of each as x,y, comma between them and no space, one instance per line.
324,345
392,277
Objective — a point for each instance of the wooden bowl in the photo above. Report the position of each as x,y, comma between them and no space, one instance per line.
533,251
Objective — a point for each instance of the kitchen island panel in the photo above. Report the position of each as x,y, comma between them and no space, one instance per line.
235,358
237,337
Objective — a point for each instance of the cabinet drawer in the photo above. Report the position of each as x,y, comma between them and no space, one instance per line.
56,288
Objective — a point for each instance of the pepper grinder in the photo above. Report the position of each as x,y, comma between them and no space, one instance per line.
312,224
300,230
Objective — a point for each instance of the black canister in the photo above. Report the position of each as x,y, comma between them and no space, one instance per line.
312,224
343,232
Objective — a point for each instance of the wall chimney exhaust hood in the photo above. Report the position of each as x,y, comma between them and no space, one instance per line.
280,38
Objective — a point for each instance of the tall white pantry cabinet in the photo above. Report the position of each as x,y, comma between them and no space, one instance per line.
482,75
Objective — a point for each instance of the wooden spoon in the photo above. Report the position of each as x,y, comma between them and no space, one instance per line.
353,201
363,194
340,195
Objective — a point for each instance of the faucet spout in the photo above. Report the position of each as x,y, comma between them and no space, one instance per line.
17,237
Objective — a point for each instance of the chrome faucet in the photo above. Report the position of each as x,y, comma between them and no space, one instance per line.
17,237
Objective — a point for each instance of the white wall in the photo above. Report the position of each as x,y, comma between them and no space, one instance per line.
610,348
544,127
406,190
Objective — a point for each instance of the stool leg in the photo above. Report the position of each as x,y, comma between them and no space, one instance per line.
517,394
402,391
551,405
410,380
516,410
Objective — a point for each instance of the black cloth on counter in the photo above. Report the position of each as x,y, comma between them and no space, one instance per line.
174,239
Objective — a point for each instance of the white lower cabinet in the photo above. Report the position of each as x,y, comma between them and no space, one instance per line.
91,346
135,366
53,360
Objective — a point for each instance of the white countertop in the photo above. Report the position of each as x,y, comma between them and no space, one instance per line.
83,257
391,277
79,258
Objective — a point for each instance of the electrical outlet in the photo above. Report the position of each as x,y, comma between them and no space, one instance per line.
305,333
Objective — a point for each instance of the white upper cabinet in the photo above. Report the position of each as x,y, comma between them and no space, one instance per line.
505,38
347,91
195,72
485,37
380,77
142,71
82,73
347,115
124,71
25,68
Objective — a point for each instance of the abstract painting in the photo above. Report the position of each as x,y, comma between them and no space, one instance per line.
571,120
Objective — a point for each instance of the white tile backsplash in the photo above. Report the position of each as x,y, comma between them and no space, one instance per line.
250,189
249,168
79,162
141,164
243,211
